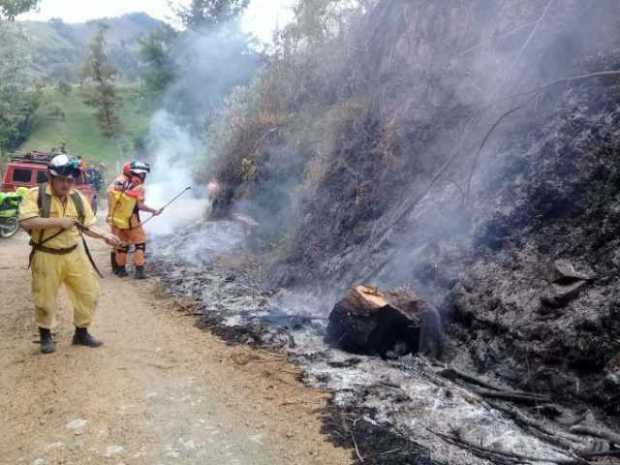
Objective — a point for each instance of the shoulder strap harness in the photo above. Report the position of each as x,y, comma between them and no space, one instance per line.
44,202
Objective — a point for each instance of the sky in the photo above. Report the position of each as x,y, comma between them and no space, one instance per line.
261,18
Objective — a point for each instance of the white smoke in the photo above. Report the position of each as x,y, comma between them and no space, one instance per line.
209,65
173,150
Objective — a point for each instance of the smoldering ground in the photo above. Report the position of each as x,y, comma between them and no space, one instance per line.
439,184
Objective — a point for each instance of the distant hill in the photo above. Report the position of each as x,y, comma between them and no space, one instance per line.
66,119
58,48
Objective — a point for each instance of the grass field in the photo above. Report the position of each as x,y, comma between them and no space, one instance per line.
77,126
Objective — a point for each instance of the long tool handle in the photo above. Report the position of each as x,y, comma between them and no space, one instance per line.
84,228
177,197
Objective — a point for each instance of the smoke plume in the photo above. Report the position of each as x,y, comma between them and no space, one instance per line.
208,66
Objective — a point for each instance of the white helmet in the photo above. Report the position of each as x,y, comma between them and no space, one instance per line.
65,166
136,168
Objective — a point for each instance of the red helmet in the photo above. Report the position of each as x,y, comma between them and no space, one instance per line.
136,168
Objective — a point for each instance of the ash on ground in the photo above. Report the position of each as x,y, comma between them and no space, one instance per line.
409,410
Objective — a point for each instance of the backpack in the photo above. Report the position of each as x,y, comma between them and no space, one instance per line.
121,207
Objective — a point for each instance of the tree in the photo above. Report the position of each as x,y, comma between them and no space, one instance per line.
9,9
165,53
210,13
64,88
102,96
155,54
19,100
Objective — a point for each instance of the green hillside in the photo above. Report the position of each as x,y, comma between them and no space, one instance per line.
58,49
76,126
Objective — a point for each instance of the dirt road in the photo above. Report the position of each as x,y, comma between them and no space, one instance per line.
161,392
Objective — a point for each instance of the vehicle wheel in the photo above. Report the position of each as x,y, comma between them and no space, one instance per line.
8,227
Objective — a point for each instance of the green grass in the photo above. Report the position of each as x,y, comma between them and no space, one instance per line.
79,130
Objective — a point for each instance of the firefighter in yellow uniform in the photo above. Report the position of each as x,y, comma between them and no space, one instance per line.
51,214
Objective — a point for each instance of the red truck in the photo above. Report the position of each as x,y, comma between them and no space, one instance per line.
30,170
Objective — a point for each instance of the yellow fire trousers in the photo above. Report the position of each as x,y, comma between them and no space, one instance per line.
73,270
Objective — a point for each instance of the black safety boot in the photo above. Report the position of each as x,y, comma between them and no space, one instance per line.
83,338
121,272
47,342
113,262
140,272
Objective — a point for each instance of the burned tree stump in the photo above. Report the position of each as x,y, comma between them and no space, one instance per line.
368,321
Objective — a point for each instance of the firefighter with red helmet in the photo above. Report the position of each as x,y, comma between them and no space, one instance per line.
126,199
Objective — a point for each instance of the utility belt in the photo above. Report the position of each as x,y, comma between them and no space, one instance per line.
39,247
49,250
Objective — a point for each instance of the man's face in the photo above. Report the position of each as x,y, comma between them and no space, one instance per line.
62,185
138,179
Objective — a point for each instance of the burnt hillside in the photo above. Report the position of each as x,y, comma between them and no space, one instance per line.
460,148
